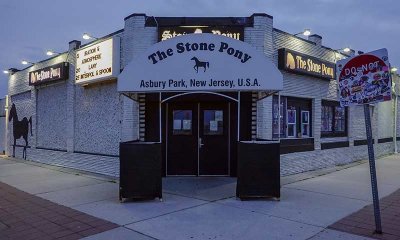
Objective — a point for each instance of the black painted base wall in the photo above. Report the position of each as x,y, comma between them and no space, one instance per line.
140,170
258,170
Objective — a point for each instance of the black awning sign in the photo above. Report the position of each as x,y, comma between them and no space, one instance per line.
52,73
304,64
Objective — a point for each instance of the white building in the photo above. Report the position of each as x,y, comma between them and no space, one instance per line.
79,120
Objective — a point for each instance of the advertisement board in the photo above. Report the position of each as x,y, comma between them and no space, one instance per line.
98,61
364,78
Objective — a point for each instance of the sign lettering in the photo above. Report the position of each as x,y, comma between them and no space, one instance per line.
300,63
49,74
97,62
234,32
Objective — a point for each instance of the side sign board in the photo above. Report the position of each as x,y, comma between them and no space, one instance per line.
296,62
98,61
200,62
48,74
364,78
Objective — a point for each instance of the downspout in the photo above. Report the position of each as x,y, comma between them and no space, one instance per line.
395,124
395,115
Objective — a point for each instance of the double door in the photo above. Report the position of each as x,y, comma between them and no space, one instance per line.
198,139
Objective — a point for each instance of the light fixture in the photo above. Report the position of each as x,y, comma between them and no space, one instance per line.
24,62
87,36
6,72
306,32
51,53
346,49
198,30
393,69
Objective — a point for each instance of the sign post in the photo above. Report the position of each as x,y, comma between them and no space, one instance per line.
372,170
365,79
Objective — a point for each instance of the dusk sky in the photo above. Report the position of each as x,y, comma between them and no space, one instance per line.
29,27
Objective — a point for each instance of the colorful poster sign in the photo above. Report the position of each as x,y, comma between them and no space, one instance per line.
52,73
98,61
365,78
296,62
200,62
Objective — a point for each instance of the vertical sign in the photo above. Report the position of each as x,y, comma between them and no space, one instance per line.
366,79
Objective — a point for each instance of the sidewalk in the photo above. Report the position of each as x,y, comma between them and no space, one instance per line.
205,208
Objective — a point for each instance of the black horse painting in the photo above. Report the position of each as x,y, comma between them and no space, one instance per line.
199,63
20,129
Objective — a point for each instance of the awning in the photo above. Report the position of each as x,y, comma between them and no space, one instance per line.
200,62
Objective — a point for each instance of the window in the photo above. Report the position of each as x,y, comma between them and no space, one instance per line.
293,121
182,124
333,120
213,122
305,123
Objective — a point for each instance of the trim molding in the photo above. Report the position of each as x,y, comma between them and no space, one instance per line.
361,142
385,140
331,145
52,149
97,154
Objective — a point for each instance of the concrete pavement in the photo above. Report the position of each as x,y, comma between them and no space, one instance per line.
205,208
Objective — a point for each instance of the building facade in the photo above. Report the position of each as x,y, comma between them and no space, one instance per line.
78,119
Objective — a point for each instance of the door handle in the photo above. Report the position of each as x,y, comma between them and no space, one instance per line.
200,143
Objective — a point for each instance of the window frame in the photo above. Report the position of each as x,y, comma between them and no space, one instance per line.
332,105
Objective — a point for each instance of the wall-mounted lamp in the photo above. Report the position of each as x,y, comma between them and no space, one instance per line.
393,69
51,53
306,32
87,36
24,62
10,71
346,49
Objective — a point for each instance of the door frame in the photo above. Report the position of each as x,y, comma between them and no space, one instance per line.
164,124
198,143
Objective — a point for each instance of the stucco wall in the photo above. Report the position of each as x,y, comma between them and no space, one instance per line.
51,111
97,119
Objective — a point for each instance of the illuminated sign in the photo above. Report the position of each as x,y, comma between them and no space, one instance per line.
304,64
200,62
227,31
98,62
52,73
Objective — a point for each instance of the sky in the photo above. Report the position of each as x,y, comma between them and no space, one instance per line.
28,28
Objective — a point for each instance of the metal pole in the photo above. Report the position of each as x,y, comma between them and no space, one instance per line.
238,118
372,169
395,123
279,116
160,123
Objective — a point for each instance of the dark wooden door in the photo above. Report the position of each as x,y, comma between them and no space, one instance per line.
214,138
182,139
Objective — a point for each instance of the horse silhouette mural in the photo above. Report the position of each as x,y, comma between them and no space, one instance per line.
20,129
199,63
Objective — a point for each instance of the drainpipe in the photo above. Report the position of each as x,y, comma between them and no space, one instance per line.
394,94
395,124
